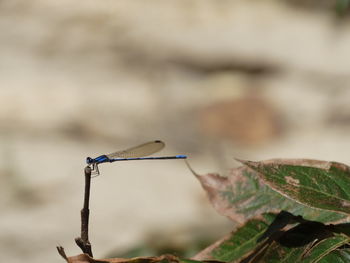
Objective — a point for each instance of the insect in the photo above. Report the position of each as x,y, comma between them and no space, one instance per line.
131,154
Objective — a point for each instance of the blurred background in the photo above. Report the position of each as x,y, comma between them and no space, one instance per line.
213,79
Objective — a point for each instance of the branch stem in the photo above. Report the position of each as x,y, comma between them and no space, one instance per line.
83,241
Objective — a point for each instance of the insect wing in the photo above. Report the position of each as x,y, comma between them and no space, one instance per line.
145,149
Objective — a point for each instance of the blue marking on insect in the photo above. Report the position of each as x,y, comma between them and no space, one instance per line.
134,153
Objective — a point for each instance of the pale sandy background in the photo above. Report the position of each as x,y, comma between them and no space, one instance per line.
213,79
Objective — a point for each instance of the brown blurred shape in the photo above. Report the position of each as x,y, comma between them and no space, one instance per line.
247,120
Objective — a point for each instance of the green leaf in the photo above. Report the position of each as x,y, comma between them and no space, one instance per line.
242,246
337,256
324,247
319,184
279,254
242,195
242,241
305,254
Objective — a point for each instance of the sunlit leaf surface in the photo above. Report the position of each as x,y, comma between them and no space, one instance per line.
319,184
242,195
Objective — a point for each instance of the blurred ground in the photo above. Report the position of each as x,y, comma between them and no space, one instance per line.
213,79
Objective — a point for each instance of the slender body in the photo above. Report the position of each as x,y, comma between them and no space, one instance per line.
131,154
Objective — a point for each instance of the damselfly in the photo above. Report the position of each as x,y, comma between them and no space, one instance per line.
131,154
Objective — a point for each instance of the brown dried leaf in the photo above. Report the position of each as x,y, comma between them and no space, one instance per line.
243,195
84,258
320,184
